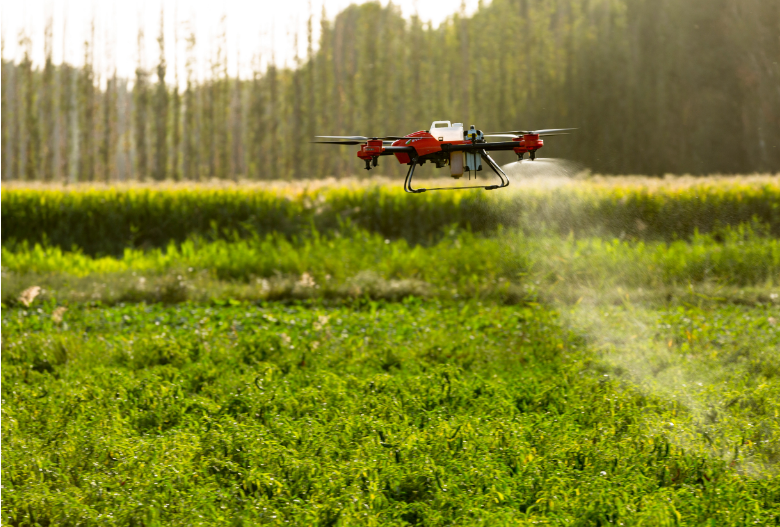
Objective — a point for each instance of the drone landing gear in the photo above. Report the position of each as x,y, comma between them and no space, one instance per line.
370,162
497,169
408,180
489,160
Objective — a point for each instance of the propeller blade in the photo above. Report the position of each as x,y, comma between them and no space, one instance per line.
552,130
361,137
500,135
337,142
385,143
533,132
353,137
514,133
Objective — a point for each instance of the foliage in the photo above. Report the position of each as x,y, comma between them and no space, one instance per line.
354,265
720,364
392,414
740,256
344,410
109,220
508,267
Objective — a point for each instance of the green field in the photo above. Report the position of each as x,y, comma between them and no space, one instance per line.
584,354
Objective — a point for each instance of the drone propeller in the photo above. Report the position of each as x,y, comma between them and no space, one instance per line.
550,131
507,136
347,142
337,142
360,137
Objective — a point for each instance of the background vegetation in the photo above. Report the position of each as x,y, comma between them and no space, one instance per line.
655,87
106,222
581,352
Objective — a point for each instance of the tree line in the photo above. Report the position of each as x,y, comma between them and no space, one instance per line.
653,86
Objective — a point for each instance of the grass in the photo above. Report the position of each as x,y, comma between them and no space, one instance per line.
105,221
719,363
348,356
507,267
742,256
348,266
391,414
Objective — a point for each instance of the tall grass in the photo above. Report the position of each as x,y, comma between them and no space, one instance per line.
741,256
108,221
457,258
510,266
356,265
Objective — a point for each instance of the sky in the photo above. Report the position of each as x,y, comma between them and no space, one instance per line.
254,29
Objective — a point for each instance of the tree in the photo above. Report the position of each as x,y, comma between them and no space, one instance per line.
191,150
31,142
273,123
176,103
655,87
87,114
161,111
108,145
310,166
66,117
5,125
141,96
221,87
47,106
236,127
257,127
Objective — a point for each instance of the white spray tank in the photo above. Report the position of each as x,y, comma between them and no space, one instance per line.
446,131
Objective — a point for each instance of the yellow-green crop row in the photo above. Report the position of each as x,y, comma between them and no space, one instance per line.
106,221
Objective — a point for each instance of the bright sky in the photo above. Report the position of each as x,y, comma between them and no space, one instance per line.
251,27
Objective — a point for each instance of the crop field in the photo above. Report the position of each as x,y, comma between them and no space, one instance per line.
583,352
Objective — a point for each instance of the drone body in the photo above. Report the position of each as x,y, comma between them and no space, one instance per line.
446,144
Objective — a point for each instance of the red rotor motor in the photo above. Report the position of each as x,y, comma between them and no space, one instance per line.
371,151
528,143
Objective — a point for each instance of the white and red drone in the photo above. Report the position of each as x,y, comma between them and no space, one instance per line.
446,144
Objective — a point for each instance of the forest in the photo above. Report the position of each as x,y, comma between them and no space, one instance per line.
654,87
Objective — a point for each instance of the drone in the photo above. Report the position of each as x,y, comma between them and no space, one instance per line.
446,144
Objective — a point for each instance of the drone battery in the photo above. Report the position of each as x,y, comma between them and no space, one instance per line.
473,162
456,164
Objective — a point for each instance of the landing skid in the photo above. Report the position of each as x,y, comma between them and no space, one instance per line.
489,160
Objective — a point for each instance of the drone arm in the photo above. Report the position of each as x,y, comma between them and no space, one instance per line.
504,145
391,150
479,147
